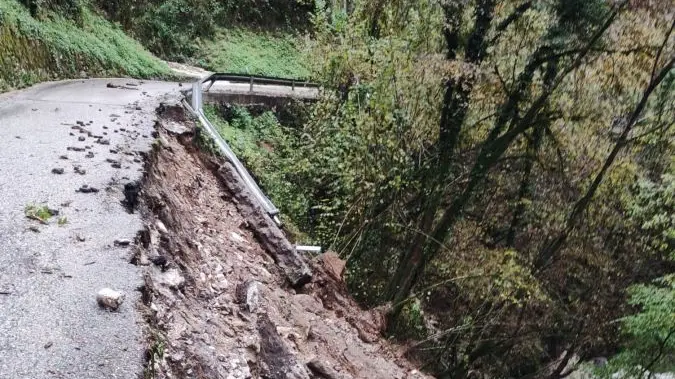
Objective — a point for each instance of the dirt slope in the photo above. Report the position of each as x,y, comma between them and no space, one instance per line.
218,304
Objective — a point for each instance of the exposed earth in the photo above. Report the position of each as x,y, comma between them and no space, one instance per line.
137,208
220,305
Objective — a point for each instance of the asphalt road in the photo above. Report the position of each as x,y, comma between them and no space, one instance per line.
50,324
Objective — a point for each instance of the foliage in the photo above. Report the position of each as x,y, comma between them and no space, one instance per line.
51,48
40,213
649,345
171,28
268,151
181,30
653,209
479,158
70,9
248,52
650,333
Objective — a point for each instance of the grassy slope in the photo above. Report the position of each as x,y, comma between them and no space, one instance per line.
33,50
254,52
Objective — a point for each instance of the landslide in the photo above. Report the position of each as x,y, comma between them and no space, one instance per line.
218,297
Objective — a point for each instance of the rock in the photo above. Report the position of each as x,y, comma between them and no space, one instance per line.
278,361
89,155
79,170
237,238
174,127
64,157
109,298
172,279
75,148
334,266
248,293
238,367
122,242
104,141
322,370
86,189
160,261
131,192
177,357
265,230
161,227
81,138
58,171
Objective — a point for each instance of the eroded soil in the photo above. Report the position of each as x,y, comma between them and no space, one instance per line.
218,302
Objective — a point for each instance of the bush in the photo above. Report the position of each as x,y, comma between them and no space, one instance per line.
70,9
171,29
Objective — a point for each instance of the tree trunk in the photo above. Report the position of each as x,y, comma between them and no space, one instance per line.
453,113
525,190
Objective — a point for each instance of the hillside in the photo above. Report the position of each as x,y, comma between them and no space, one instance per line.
495,180
56,44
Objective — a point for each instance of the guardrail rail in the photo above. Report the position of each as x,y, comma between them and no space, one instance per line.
257,79
196,108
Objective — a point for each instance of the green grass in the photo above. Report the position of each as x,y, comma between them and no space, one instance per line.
55,47
254,52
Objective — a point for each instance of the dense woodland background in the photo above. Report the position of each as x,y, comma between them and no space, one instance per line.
499,174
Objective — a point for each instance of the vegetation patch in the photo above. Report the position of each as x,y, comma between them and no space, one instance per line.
41,213
53,46
268,149
170,28
254,52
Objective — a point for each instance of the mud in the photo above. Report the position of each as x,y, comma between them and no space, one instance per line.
217,297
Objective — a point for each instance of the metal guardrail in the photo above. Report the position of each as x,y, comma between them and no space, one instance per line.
196,107
257,79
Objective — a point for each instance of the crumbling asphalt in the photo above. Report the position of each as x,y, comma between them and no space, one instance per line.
97,131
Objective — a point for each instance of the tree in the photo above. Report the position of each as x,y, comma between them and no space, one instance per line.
473,172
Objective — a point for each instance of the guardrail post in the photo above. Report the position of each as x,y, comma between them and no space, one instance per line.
292,85
251,84
196,96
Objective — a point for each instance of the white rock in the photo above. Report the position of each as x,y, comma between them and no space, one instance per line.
109,298
248,293
172,278
237,238
161,227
